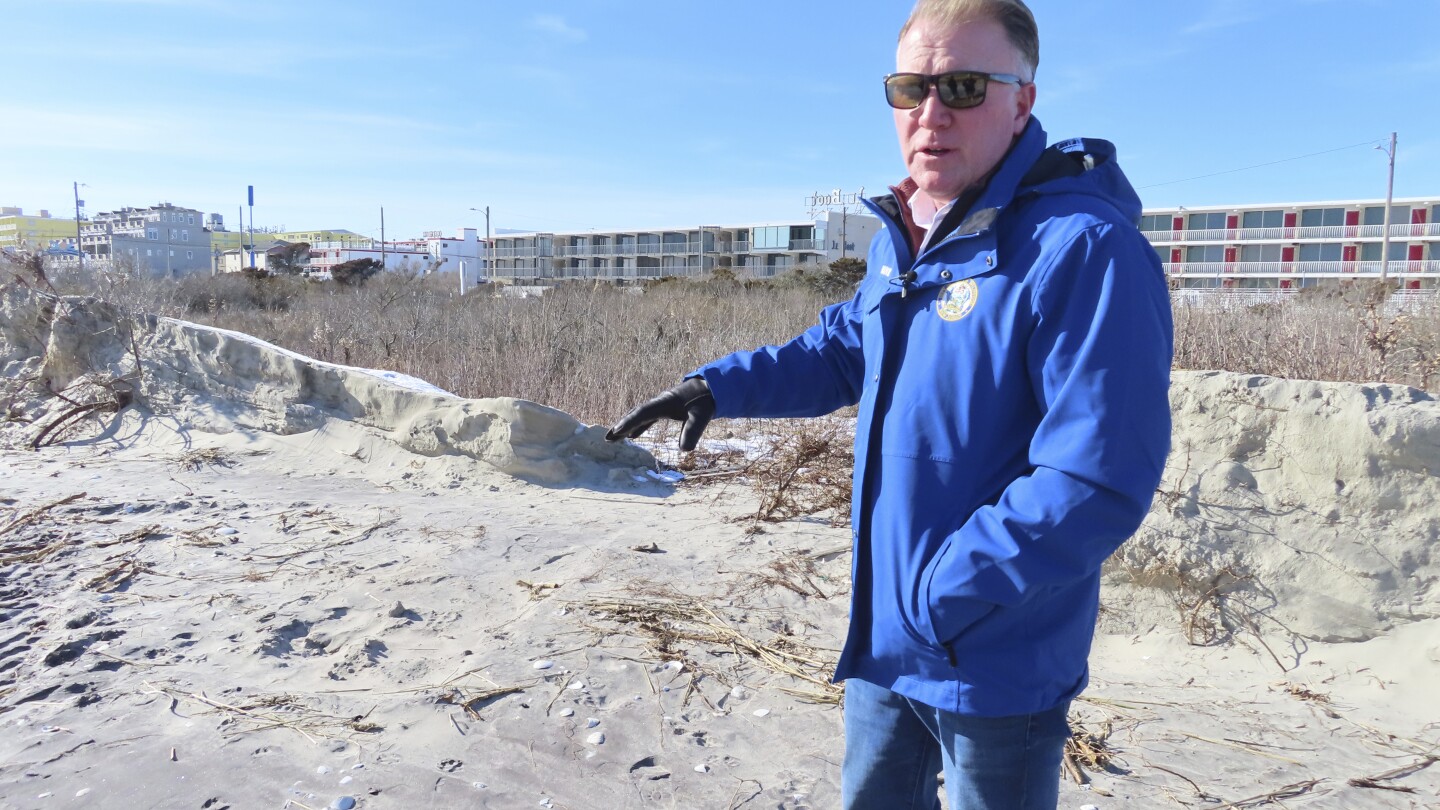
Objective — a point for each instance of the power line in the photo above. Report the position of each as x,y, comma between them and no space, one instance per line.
1260,165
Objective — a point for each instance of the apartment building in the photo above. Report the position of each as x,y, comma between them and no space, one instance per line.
1297,245
41,231
222,240
757,250
163,240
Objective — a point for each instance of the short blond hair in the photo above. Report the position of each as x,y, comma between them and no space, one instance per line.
1012,15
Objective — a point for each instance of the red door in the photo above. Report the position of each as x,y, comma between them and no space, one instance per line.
1231,223
1352,224
1348,259
1290,225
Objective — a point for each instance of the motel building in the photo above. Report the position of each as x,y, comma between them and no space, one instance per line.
1290,246
762,250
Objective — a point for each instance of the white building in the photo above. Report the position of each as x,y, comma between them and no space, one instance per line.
760,250
1299,244
462,253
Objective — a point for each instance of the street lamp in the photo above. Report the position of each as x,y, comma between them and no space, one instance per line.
1389,196
489,270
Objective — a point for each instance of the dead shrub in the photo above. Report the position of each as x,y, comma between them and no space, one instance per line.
807,471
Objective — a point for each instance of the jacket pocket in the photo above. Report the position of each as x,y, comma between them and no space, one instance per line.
943,625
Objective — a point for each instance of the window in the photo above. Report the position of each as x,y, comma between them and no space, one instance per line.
1322,217
189,219
1155,222
1370,251
1263,219
1207,222
1260,253
189,254
1163,253
1375,215
774,236
1205,253
1320,253
152,233
147,251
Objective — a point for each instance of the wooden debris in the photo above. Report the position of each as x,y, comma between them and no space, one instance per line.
1373,782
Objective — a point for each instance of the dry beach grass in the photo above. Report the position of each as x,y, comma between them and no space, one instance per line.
593,350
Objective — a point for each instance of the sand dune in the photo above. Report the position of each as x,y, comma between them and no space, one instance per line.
265,581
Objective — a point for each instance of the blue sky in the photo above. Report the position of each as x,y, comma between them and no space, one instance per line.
580,114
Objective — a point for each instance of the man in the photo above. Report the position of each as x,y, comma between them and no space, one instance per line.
1009,349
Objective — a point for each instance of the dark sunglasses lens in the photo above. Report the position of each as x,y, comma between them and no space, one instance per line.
962,90
905,92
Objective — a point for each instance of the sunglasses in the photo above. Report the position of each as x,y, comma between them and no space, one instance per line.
959,90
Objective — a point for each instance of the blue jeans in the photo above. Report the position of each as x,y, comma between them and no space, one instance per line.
895,747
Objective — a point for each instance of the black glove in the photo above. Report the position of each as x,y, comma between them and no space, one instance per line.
689,402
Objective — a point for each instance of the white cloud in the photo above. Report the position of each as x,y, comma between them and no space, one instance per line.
556,26
1221,14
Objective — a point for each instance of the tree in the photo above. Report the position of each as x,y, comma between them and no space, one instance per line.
840,279
289,258
355,272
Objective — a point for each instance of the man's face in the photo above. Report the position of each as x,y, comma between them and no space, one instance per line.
945,150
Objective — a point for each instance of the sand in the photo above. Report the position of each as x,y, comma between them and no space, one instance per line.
267,581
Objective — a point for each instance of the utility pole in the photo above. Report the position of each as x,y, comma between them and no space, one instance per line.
252,225
486,266
1389,195
79,245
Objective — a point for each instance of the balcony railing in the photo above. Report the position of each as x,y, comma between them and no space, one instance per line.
1401,231
1341,269
665,249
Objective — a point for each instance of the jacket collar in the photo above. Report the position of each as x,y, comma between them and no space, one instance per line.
1005,182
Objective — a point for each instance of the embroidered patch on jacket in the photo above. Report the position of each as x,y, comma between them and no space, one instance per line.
957,300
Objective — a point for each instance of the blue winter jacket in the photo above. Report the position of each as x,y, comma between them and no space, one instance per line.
1013,424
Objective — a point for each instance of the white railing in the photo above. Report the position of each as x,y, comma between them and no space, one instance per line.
1230,298
1401,231
665,248
1338,269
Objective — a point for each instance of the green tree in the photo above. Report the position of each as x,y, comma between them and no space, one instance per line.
839,279
289,258
355,272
